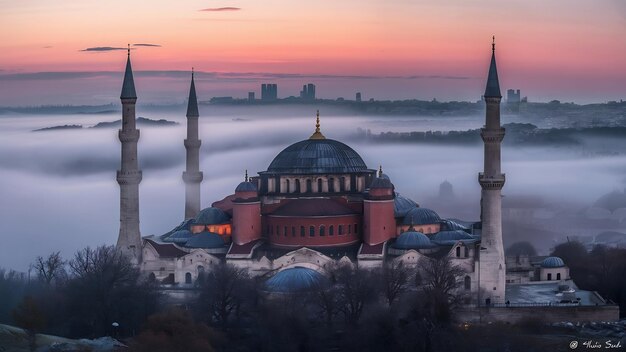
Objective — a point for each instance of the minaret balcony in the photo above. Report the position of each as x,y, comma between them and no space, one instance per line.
128,135
192,176
190,143
129,177
491,135
491,182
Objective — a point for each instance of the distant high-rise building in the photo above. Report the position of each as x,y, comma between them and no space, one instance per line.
308,92
269,91
251,96
358,97
513,100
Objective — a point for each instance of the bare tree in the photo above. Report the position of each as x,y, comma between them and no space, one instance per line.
441,281
50,269
223,291
355,288
395,280
29,317
326,299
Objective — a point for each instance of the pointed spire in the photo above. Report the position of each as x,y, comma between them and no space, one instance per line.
317,134
493,85
192,103
380,171
128,87
246,179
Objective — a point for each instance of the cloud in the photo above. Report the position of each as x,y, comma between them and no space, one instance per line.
47,47
220,9
149,45
103,48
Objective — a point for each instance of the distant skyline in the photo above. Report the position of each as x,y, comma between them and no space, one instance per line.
72,52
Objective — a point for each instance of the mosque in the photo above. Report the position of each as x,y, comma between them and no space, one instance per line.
317,203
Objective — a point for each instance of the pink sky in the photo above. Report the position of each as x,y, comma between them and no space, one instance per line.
559,49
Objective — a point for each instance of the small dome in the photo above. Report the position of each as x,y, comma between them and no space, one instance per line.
180,236
246,186
451,225
552,262
298,279
402,205
413,240
211,216
317,156
421,216
205,240
451,237
381,183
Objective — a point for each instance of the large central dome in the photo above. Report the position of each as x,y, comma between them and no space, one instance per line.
317,156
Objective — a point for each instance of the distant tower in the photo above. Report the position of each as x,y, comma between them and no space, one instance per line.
378,214
129,177
192,175
492,266
358,97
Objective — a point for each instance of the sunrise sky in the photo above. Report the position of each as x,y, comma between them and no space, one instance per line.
66,51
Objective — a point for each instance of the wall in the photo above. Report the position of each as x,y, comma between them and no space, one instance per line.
547,314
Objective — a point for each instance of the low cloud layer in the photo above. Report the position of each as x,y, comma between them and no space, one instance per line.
220,9
102,49
148,45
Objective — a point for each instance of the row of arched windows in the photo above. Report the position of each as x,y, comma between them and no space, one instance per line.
465,252
309,186
313,231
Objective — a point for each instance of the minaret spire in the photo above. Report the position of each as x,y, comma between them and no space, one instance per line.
192,176
129,176
492,266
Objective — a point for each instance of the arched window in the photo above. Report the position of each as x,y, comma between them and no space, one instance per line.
302,234
331,185
309,188
558,276
287,190
277,230
322,230
311,231
467,282
340,230
297,190
319,185
342,184
188,278
466,251
549,276
293,231
458,252
331,230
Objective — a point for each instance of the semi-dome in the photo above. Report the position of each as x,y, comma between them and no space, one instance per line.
317,156
298,279
413,240
421,216
452,236
450,225
552,262
211,216
402,205
180,236
205,240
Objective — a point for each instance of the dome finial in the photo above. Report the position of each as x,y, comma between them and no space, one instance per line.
317,134
380,171
493,44
191,72
129,50
246,177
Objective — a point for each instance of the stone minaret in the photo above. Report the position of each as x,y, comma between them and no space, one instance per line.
192,175
492,267
129,177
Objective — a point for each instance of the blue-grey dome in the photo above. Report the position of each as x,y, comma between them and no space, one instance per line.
552,262
317,156
246,186
421,216
452,237
451,225
211,216
205,240
298,279
413,240
402,205
381,182
180,236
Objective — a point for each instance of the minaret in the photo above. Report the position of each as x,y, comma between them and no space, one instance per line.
379,223
192,175
491,258
129,177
